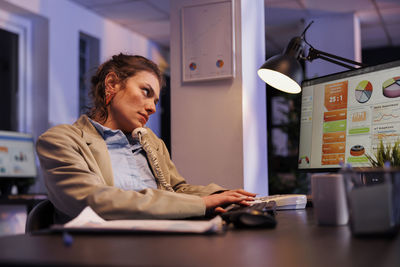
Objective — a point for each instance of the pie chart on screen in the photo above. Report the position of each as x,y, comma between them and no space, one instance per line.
363,91
391,87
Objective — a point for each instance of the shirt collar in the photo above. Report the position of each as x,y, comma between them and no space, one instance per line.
103,130
107,132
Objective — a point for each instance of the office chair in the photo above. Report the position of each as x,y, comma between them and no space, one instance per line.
40,217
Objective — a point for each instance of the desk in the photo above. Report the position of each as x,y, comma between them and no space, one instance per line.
296,241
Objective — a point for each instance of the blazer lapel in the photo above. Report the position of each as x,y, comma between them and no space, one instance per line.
98,147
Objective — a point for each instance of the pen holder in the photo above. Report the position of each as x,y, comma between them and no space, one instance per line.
329,199
373,198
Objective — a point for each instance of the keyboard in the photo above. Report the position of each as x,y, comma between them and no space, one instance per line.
284,202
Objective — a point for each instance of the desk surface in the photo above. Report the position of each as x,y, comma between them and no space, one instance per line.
296,241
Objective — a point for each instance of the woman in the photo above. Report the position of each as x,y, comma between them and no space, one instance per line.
107,159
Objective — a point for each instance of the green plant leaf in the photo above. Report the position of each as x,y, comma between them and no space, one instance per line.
385,153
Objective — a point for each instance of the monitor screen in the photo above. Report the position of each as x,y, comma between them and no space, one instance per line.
344,116
17,157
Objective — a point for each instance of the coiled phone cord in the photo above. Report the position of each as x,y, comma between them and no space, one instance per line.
141,133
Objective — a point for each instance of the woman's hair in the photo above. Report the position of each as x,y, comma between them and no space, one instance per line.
124,66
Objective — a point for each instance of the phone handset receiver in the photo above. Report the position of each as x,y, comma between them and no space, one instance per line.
142,135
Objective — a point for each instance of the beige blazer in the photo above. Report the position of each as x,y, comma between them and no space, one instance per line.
77,172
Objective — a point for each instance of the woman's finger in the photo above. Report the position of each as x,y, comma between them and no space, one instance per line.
244,192
219,210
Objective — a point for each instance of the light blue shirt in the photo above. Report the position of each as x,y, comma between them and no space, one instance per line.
128,160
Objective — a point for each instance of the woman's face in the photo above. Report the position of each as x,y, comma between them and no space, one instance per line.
132,105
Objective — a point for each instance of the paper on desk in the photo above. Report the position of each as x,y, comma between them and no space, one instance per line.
89,220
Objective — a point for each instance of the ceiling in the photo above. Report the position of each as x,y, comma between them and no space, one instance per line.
379,19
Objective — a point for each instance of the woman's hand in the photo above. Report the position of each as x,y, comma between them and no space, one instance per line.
238,196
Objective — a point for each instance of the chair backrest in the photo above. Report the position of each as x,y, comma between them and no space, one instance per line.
40,217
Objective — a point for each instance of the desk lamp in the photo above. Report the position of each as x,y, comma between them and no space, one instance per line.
284,71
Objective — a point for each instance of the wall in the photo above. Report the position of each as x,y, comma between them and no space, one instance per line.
219,126
254,115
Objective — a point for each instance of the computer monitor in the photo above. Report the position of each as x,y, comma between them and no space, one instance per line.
344,116
17,157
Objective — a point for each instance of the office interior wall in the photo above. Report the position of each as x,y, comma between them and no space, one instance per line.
337,34
208,118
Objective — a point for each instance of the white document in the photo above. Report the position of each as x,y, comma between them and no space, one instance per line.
88,220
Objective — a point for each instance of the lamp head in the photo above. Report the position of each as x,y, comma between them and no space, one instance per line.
284,71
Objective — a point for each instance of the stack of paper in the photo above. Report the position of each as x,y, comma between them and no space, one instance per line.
88,220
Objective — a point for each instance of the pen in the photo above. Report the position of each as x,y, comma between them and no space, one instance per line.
67,239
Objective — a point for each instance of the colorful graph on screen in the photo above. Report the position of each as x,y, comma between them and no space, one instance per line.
363,91
345,116
391,87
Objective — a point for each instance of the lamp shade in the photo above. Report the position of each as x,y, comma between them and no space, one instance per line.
282,72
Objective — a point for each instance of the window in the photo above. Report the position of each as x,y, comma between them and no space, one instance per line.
88,63
16,46
9,78
283,142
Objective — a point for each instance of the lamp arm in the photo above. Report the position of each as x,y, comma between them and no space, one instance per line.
337,62
314,54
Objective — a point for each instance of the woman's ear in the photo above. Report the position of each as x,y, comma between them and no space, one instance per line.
111,86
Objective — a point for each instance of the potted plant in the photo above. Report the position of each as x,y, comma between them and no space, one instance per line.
386,155
374,200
